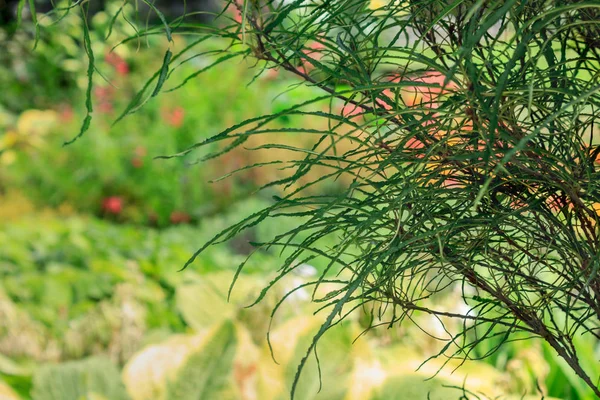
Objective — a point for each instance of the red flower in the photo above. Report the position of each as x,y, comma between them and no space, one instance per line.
122,68
313,51
271,74
104,95
174,116
178,217
66,113
350,110
234,10
112,205
118,63
137,162
413,143
140,151
105,107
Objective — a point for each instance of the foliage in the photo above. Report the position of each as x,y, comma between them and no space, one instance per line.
470,156
198,366
67,285
114,174
191,298
76,288
48,77
7,393
94,378
205,374
466,147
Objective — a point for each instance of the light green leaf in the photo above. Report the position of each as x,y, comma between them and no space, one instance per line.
95,377
207,373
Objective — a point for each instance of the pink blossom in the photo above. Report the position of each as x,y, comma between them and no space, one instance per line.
112,205
117,62
174,116
351,110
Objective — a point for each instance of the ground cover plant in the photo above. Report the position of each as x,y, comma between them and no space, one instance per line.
464,135
99,310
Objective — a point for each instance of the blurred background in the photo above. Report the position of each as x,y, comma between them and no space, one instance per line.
93,236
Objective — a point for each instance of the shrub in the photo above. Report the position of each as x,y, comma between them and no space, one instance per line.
466,134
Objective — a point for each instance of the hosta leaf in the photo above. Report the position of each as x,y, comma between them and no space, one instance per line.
204,303
207,373
9,367
92,378
6,392
146,374
336,362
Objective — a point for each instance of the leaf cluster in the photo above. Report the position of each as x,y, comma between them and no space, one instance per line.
468,140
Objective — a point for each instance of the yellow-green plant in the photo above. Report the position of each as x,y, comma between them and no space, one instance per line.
94,378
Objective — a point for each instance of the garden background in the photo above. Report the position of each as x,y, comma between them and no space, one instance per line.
94,303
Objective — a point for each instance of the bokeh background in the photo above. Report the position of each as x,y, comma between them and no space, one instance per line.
93,302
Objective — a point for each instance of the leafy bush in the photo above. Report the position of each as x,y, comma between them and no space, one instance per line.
467,148
75,288
114,173
472,131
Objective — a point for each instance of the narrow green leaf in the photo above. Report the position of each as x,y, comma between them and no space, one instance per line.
35,22
20,12
87,43
164,70
162,19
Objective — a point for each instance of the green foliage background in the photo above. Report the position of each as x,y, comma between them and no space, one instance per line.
434,149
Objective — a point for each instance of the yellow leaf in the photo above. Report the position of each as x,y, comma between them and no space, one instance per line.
6,392
8,157
9,140
146,374
377,4
37,122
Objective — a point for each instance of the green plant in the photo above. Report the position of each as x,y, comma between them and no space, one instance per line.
114,173
7,393
473,162
468,144
91,288
205,375
94,378
44,78
73,286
